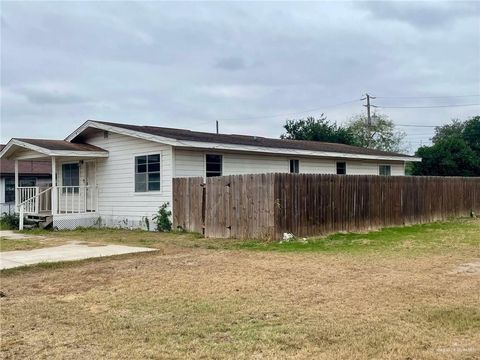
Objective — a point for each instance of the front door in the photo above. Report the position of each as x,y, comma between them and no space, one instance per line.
90,186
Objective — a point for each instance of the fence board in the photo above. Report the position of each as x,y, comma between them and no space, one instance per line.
267,205
188,203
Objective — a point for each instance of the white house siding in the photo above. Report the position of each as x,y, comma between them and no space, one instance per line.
2,190
237,164
118,203
189,163
318,166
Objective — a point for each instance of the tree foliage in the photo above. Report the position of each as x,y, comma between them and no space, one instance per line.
455,150
381,135
317,130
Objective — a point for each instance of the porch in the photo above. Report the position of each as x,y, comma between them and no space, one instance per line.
40,204
74,191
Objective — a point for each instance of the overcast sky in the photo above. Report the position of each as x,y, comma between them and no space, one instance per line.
248,65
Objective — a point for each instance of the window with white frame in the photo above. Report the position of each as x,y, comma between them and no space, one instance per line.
213,165
71,177
147,173
9,189
385,170
294,166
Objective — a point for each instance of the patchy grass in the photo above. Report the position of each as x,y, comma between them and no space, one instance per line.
19,244
192,302
120,237
423,237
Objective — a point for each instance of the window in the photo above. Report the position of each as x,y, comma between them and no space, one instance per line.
385,170
9,189
341,168
294,166
147,173
71,176
213,165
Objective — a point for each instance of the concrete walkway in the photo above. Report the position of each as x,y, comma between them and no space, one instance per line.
72,251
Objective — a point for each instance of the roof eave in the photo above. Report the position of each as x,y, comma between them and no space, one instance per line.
47,152
233,147
294,152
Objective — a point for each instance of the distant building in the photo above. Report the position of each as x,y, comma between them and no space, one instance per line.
30,173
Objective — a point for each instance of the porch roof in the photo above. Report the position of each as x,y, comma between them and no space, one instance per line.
23,149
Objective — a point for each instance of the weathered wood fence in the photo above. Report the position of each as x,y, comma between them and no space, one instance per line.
268,205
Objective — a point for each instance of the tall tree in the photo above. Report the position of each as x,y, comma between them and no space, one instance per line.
455,128
380,134
471,134
455,150
319,129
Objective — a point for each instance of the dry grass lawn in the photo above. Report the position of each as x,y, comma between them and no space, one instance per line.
194,302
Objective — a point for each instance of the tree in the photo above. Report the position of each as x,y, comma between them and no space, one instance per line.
455,150
471,134
317,130
445,131
380,135
447,157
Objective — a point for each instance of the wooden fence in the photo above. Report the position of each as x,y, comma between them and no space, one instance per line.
267,205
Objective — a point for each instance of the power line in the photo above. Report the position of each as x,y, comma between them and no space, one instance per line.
294,113
413,125
426,107
428,97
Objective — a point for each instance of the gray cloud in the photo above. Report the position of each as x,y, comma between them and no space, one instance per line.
189,64
423,14
231,63
41,96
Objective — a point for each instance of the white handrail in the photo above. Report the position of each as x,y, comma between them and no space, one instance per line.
35,196
31,205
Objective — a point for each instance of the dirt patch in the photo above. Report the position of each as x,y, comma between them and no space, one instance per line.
239,304
471,268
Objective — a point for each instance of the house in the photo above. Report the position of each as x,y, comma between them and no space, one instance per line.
118,175
30,173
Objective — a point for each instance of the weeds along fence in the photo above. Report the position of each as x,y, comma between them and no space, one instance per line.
264,206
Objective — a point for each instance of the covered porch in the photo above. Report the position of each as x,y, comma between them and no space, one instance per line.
74,188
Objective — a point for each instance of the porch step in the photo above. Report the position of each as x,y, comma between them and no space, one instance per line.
39,220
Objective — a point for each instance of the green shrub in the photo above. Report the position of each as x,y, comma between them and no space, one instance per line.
9,221
162,218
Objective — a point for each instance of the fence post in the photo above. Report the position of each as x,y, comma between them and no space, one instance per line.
20,223
37,200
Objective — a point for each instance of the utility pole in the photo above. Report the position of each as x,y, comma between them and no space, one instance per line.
217,126
369,117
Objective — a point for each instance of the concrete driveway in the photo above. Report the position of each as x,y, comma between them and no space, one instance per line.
68,252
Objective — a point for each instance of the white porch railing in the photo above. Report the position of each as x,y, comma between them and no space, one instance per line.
76,199
34,200
68,199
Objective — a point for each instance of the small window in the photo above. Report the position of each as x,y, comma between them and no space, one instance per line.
27,181
213,165
71,177
385,170
294,166
147,173
341,168
9,189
